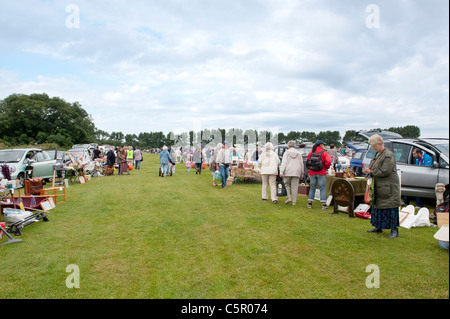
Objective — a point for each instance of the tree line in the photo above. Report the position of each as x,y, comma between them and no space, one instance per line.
39,119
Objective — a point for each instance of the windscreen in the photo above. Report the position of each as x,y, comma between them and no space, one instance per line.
13,156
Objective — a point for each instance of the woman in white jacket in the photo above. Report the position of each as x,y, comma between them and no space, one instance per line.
291,170
268,163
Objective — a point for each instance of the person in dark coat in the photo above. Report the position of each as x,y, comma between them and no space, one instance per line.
387,199
110,158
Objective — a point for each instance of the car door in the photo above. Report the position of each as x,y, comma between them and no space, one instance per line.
418,181
43,165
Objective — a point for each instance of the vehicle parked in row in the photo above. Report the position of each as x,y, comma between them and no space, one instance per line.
361,148
418,181
81,154
19,159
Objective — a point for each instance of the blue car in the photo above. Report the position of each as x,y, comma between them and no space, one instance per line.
356,163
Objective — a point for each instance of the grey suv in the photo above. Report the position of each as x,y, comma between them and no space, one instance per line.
419,181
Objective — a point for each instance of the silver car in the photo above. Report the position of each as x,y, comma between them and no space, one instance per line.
418,181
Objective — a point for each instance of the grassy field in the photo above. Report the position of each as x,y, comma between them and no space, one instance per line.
142,236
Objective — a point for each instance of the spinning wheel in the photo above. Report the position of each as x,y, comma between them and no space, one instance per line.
343,195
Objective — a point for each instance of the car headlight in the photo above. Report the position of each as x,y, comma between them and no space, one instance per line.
12,169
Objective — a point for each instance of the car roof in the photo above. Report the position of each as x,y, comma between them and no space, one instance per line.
386,135
22,149
426,140
434,140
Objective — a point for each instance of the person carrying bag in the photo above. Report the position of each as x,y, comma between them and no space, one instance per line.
370,187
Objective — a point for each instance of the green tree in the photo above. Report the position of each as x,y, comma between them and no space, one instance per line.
330,137
350,136
294,136
306,136
408,131
131,139
27,119
117,138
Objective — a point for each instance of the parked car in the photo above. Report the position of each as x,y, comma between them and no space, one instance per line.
81,146
81,154
360,149
19,159
418,181
386,135
61,156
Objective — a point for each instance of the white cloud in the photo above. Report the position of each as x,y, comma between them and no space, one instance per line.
294,65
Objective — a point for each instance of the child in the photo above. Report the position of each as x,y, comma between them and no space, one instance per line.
188,165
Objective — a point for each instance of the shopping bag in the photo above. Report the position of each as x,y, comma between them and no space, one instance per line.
130,167
217,177
281,189
370,189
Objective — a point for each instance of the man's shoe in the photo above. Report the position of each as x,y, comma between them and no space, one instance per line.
275,202
309,205
324,207
375,230
288,201
393,234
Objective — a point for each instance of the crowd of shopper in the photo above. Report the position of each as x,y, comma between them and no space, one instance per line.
291,169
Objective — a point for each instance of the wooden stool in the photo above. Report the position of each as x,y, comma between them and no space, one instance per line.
55,195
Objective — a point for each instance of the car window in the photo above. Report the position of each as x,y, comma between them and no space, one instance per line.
46,156
39,157
401,152
443,163
358,155
443,148
10,156
370,153
30,155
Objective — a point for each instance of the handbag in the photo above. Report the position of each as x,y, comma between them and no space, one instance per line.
370,186
370,189
281,189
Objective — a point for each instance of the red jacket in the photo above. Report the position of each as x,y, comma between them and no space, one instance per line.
326,160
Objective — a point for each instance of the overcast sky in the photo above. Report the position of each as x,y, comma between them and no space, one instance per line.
279,65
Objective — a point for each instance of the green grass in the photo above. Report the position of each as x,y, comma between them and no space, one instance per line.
142,236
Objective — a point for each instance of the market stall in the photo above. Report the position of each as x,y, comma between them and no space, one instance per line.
245,172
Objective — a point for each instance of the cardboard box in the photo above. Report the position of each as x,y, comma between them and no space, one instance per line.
442,219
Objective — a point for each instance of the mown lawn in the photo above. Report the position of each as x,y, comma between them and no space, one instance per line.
141,236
